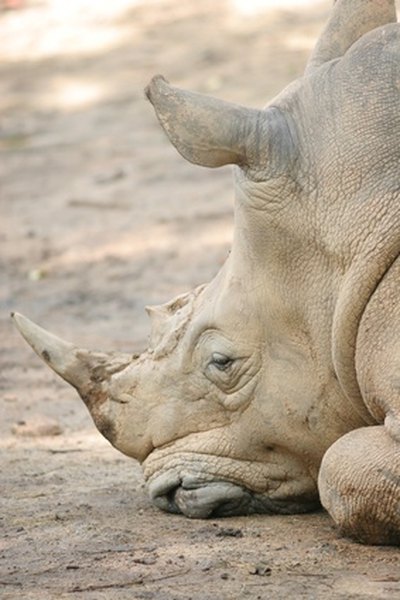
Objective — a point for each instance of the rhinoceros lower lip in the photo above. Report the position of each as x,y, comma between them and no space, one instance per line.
202,500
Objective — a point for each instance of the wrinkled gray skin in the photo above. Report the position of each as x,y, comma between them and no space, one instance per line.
291,355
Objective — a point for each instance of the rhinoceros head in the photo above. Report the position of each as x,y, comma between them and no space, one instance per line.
249,379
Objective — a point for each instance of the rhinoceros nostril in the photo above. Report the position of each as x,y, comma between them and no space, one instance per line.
166,501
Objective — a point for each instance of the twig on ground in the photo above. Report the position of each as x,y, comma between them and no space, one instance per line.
138,581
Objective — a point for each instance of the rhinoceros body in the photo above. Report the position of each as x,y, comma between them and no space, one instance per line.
278,383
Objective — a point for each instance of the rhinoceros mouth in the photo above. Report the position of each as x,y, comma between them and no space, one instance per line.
205,499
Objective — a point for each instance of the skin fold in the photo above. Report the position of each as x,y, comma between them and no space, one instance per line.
276,385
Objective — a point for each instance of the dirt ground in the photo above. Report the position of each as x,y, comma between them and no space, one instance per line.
99,217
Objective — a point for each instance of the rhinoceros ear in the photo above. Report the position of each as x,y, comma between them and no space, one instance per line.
205,130
349,21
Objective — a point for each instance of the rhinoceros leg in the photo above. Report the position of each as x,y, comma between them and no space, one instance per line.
349,21
359,485
359,480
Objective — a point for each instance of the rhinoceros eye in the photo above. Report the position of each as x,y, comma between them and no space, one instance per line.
221,361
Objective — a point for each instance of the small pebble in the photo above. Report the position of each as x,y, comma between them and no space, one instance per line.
37,274
205,564
260,569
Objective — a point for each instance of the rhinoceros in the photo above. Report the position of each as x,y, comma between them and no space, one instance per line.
277,385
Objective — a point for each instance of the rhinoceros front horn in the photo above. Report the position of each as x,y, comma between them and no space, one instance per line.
61,356
92,374
84,370
210,132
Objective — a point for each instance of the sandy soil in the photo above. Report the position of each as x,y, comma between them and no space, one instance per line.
99,217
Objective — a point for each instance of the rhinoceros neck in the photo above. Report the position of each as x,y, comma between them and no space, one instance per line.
329,290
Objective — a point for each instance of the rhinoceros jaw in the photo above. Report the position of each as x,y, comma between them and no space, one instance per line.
60,355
